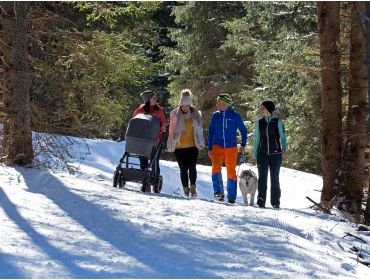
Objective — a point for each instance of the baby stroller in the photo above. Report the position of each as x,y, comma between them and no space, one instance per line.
141,142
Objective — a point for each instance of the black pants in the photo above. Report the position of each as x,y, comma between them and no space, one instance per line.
144,162
187,161
264,163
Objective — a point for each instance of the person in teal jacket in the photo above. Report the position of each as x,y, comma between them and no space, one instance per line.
269,148
222,146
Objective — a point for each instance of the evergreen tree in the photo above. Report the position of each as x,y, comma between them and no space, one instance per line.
367,209
89,65
198,62
17,138
281,40
353,171
163,20
328,20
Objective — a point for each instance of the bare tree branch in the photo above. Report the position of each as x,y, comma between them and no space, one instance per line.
354,236
327,211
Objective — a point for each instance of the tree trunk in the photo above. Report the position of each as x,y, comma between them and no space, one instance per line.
18,138
367,210
356,134
367,6
328,13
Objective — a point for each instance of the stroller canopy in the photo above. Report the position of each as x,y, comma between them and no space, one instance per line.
142,134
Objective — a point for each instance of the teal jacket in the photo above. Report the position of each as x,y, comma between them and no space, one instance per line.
269,137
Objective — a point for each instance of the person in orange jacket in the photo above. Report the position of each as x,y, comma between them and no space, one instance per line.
222,146
150,106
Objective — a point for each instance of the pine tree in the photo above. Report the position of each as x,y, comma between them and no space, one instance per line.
17,138
199,62
282,42
367,209
89,65
328,20
353,171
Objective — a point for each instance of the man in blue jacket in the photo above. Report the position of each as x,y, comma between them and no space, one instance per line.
222,146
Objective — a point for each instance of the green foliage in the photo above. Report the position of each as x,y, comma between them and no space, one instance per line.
198,62
254,51
91,59
87,83
284,46
117,16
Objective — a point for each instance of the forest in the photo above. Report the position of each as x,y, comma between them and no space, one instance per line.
77,68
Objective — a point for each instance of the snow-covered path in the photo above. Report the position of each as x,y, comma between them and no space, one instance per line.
58,225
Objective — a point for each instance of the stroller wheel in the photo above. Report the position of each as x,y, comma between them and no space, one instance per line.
122,183
146,185
116,178
158,184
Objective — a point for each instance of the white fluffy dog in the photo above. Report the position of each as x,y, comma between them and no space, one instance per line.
248,185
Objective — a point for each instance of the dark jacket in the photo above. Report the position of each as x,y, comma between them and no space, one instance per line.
269,136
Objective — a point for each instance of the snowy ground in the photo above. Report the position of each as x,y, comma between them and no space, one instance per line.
58,225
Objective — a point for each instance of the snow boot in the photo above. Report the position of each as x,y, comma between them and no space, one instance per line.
193,191
219,196
260,202
186,191
231,200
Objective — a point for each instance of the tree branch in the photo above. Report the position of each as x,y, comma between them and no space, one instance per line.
327,211
4,44
354,236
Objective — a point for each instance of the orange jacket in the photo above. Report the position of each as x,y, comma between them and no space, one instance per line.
158,113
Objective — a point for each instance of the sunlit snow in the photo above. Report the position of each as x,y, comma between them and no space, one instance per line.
60,225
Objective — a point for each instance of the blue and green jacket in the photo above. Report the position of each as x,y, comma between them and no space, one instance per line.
223,128
269,136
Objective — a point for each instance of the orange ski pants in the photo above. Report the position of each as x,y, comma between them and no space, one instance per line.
229,155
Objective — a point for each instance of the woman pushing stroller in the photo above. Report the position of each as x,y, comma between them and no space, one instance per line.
150,106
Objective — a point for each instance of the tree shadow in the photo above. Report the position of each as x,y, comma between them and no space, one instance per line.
8,269
37,239
125,236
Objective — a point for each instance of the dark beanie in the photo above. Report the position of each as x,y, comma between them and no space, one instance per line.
269,105
146,95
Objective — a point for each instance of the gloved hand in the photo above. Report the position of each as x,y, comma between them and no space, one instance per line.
241,158
242,149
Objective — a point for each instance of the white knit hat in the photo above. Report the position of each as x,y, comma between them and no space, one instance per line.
185,98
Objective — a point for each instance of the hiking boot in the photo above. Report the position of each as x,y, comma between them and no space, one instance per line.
219,196
186,191
260,202
276,206
231,200
193,191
